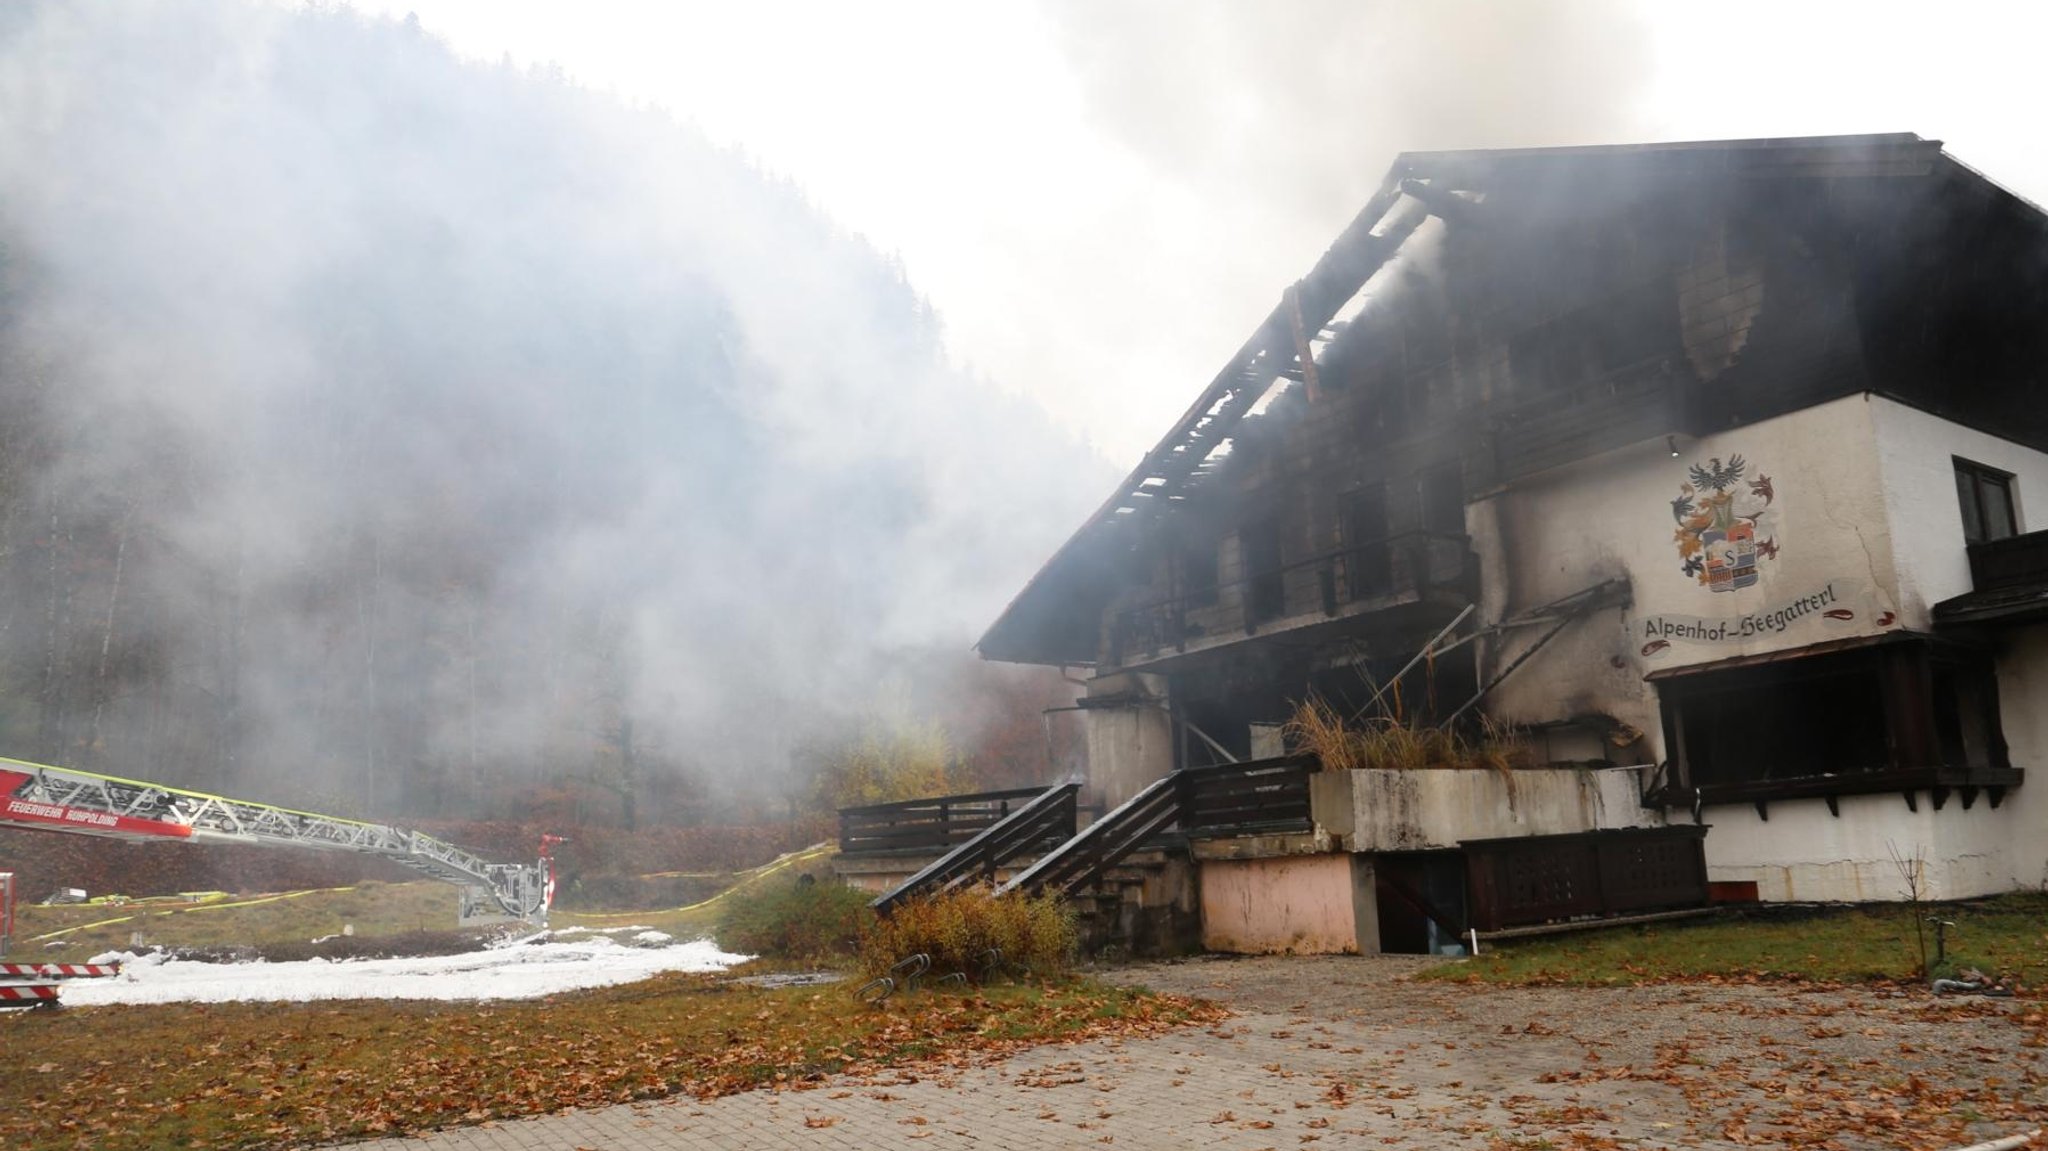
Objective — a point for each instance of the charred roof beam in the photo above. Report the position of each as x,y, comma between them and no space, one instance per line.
1179,459
1271,355
1442,202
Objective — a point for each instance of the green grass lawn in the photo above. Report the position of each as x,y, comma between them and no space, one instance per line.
697,920
2005,935
374,910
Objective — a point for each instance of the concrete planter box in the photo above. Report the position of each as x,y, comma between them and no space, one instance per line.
1373,810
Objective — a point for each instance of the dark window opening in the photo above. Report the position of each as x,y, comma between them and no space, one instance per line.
1785,722
1619,332
1202,720
1222,705
1966,716
1265,584
1634,327
1986,498
1443,500
1889,715
1426,693
1197,573
1420,900
1368,566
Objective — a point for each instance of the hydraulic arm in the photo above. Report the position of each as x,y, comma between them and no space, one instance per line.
60,799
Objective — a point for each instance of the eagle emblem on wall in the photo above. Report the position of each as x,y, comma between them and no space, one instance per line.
1721,524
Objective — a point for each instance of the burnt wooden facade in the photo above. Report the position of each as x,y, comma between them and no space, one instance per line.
1511,405
1546,306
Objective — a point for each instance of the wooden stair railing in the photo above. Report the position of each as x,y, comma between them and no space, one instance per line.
1048,818
1081,860
1269,795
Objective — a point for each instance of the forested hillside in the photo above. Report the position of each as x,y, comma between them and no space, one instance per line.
383,432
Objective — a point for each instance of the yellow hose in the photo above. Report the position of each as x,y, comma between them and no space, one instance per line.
185,910
741,878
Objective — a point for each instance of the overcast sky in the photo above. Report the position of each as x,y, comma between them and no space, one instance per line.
1102,197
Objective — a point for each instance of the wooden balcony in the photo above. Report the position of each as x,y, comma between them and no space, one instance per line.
2009,584
933,825
1411,574
2015,561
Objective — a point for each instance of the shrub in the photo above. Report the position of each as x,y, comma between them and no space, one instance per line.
1387,742
805,919
958,930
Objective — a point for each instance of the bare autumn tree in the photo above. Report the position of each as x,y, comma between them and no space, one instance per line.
893,759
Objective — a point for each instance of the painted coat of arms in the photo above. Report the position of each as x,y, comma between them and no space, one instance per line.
1720,519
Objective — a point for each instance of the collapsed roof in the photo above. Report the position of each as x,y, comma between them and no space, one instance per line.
1894,208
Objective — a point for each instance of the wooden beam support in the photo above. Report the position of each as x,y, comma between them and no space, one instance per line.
1304,354
1441,202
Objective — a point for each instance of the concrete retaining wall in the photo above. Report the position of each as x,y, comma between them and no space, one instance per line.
1376,810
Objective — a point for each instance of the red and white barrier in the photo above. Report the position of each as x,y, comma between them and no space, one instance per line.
36,984
58,970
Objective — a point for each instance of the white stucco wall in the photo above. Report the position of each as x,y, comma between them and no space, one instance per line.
1802,852
1916,453
2023,707
1863,504
1549,536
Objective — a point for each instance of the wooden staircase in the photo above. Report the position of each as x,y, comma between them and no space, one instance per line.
1046,820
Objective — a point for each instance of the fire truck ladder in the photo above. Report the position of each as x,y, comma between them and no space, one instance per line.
59,799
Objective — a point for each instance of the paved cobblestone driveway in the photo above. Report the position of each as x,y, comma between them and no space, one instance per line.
1326,1053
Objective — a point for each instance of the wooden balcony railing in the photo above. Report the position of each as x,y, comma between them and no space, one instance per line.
2015,561
1389,572
1551,878
937,824
1268,795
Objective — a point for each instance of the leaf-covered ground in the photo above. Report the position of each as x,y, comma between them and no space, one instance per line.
2006,935
244,1075
1767,1064
1927,1074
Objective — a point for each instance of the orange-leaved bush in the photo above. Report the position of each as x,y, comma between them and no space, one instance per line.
960,929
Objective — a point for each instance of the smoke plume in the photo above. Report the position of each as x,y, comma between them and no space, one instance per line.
1271,125
384,431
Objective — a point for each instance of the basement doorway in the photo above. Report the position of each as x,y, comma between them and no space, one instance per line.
1421,901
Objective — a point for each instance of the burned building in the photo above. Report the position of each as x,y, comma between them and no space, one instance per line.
1707,467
